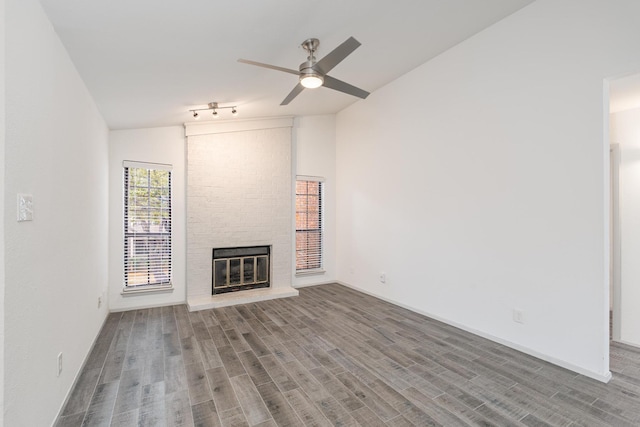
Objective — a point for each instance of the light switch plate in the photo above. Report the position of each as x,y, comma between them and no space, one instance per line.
25,207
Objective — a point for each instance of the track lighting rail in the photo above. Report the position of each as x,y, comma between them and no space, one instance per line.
214,107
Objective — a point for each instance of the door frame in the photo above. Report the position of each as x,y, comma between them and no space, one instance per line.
615,286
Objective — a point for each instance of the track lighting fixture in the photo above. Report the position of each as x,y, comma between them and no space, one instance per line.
215,107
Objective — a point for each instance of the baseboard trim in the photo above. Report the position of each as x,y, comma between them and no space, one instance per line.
306,285
630,344
145,306
605,378
77,376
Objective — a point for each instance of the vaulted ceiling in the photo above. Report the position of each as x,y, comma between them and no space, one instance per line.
147,62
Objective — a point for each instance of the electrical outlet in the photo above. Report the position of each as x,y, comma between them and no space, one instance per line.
59,363
383,278
518,315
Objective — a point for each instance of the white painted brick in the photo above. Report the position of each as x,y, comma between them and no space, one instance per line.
238,194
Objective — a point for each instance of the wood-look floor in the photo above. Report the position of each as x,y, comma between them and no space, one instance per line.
331,356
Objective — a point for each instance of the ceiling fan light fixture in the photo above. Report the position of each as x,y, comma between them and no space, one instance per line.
311,80
313,74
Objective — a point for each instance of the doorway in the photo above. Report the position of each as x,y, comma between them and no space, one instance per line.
623,132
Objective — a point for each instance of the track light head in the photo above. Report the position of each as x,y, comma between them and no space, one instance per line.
234,112
196,115
215,114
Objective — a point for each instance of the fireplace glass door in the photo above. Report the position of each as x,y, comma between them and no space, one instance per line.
240,269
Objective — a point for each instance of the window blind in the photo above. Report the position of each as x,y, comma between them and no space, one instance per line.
147,225
309,194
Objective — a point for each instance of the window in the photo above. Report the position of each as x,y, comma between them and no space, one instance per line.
309,224
147,225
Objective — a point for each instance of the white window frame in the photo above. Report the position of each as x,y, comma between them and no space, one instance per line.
320,268
131,237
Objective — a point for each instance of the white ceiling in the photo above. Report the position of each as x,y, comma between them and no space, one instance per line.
147,62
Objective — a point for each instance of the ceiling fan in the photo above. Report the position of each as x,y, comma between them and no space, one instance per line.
313,74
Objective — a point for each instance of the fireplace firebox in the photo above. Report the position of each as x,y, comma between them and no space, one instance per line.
242,268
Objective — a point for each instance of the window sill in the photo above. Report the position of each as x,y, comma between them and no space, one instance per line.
146,290
315,272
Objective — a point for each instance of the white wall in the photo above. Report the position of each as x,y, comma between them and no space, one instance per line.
2,172
155,145
484,187
625,130
314,141
56,150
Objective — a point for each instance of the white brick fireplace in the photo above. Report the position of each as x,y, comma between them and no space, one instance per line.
239,193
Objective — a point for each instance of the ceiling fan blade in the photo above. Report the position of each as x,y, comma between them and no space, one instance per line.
336,56
341,86
295,92
272,67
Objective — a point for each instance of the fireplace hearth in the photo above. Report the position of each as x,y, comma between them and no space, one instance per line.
240,268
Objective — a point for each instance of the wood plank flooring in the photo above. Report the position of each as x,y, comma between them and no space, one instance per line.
331,356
